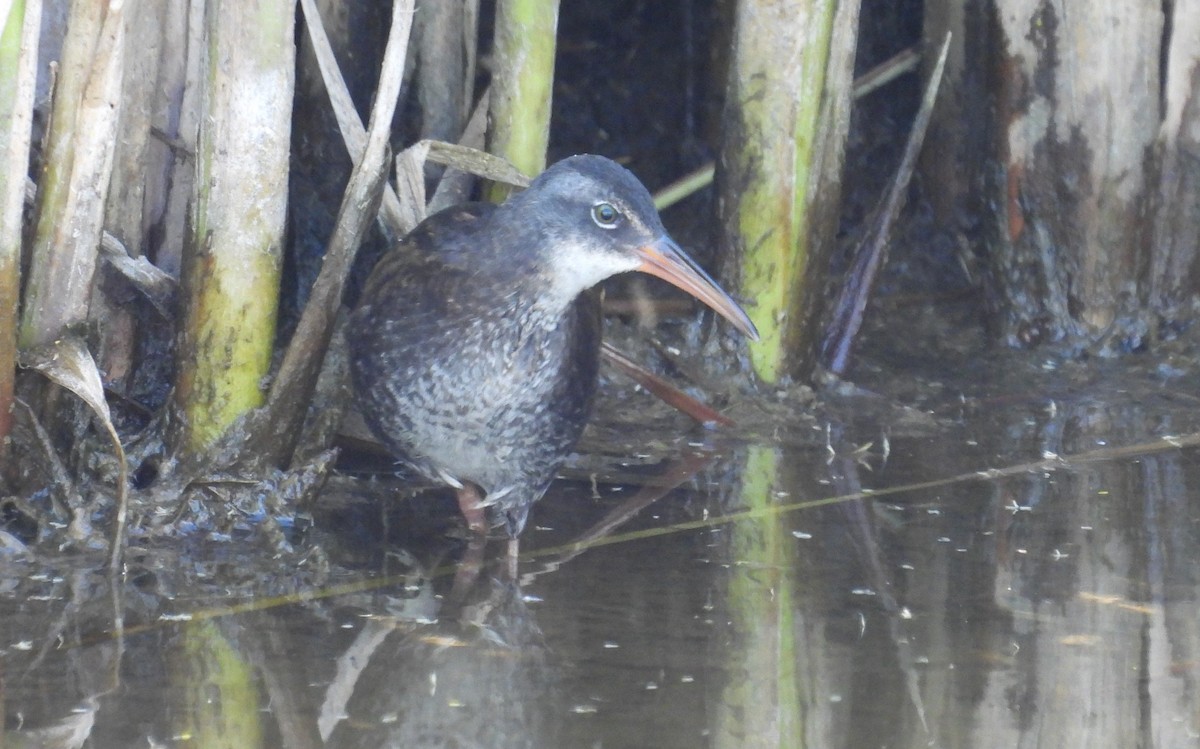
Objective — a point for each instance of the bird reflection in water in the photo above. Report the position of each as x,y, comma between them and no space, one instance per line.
480,676
470,668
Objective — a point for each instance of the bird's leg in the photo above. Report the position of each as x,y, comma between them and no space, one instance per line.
512,555
469,568
470,503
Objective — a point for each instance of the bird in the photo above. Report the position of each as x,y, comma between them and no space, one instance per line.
475,345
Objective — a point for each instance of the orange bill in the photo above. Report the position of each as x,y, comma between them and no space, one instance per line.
666,260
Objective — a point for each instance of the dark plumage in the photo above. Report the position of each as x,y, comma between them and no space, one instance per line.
475,347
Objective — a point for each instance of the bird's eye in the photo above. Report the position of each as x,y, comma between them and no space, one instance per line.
605,215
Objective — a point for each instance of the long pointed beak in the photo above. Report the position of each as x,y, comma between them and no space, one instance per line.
664,259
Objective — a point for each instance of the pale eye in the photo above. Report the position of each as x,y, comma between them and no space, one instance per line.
605,215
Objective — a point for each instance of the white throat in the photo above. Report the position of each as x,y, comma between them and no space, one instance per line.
577,267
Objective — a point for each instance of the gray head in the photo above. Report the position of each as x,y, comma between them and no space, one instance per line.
593,219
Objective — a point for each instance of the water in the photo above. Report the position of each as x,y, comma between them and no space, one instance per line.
1020,571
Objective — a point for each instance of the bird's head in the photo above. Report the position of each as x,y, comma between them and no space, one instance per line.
593,219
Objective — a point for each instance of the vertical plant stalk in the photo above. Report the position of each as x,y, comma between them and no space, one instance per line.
178,105
232,275
77,167
221,706
952,173
761,705
1076,100
131,208
297,375
522,84
1175,257
18,72
787,113
443,88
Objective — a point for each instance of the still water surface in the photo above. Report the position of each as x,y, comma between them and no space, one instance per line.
1022,570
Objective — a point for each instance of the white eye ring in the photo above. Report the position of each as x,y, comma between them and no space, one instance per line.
605,215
